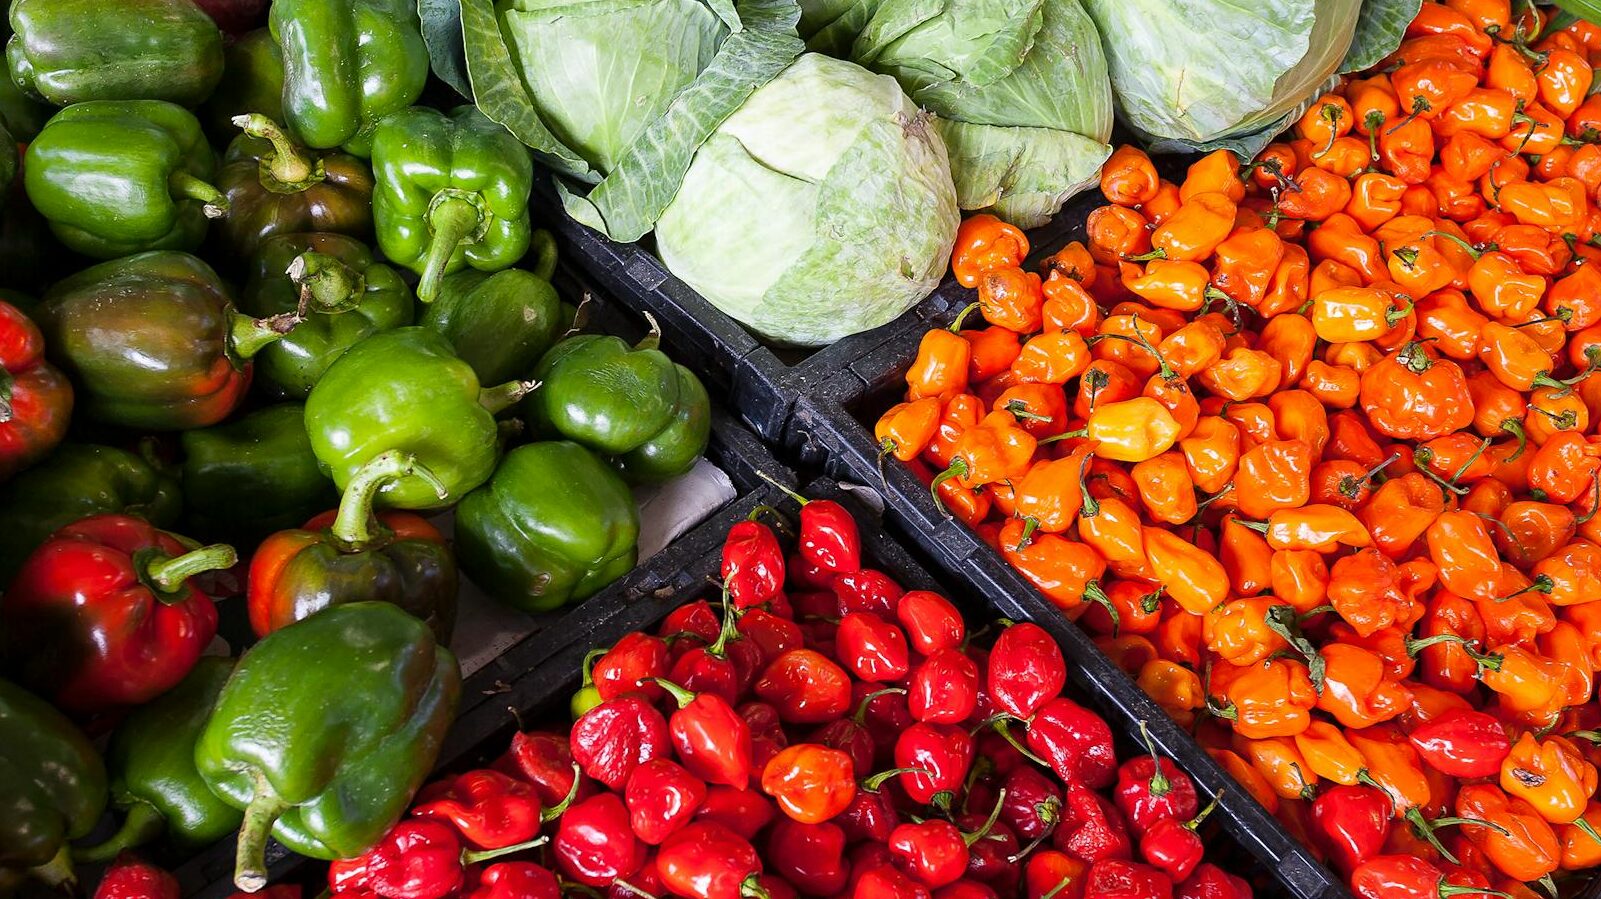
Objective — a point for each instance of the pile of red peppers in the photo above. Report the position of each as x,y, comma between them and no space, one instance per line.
819,732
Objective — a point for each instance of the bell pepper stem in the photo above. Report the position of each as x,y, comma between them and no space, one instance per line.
166,574
248,336
141,825
653,337
501,397
250,857
183,184
452,219
542,245
353,524
326,284
286,164
56,873
474,857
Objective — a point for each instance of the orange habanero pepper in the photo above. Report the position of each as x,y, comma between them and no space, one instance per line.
984,243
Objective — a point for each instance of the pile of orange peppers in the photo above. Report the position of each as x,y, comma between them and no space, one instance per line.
1309,443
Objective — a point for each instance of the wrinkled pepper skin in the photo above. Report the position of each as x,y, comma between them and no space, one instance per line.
274,187
452,191
346,66
328,766
351,556
79,480
52,787
372,296
153,779
153,341
69,51
404,389
246,478
554,525
622,401
502,322
115,177
35,398
252,81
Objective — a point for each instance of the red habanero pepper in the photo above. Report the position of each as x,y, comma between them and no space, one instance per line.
662,798
745,812
630,666
811,782
865,590
1075,742
1032,804
753,564
810,856
420,858
1026,670
491,810
1211,882
885,881
1091,829
806,687
515,880
934,760
130,878
1407,877
103,614
709,737
930,621
1048,872
708,861
871,648
829,541
544,760
1172,844
1351,823
617,736
1152,789
1462,743
1117,879
943,688
594,844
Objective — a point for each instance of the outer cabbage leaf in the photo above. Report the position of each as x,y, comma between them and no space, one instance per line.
1199,70
821,208
441,32
1020,87
831,26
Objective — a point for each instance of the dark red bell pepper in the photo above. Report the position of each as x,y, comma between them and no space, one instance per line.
615,737
767,736
515,880
594,843
806,687
1075,742
931,622
753,564
1351,823
871,648
35,397
491,810
104,614
546,761
1151,788
1211,882
662,798
131,878
745,812
418,858
1026,669
809,856
943,688
631,665
709,861
1463,743
1118,879
710,738
937,757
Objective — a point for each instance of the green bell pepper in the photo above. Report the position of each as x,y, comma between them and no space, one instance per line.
76,481
151,760
246,478
115,177
341,272
501,322
69,51
22,115
275,187
52,787
328,764
152,341
252,82
631,402
404,389
554,525
451,191
346,66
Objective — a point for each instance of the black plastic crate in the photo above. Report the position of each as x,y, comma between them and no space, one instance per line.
763,383
538,698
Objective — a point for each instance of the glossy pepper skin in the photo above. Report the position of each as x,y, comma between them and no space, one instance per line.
153,341
35,398
248,477
451,191
76,481
252,82
69,51
103,614
115,177
328,792
55,790
131,878
346,66
502,322
361,295
353,555
153,779
274,186
629,402
404,389
553,525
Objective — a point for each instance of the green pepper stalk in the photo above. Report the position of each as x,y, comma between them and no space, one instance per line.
354,523
284,168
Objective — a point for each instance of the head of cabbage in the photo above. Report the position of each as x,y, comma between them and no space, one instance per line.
822,207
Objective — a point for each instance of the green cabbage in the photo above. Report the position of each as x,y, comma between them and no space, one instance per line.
821,208
1020,87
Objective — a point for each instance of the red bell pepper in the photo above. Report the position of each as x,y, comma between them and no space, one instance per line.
1151,789
662,798
631,665
515,880
418,858
1351,823
711,739
753,564
1462,743
709,861
936,758
103,615
931,622
810,856
130,878
615,737
871,817
35,397
1026,669
491,810
1075,742
943,688
594,843
871,648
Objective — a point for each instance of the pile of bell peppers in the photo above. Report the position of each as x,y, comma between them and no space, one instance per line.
1309,443
818,731
289,317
